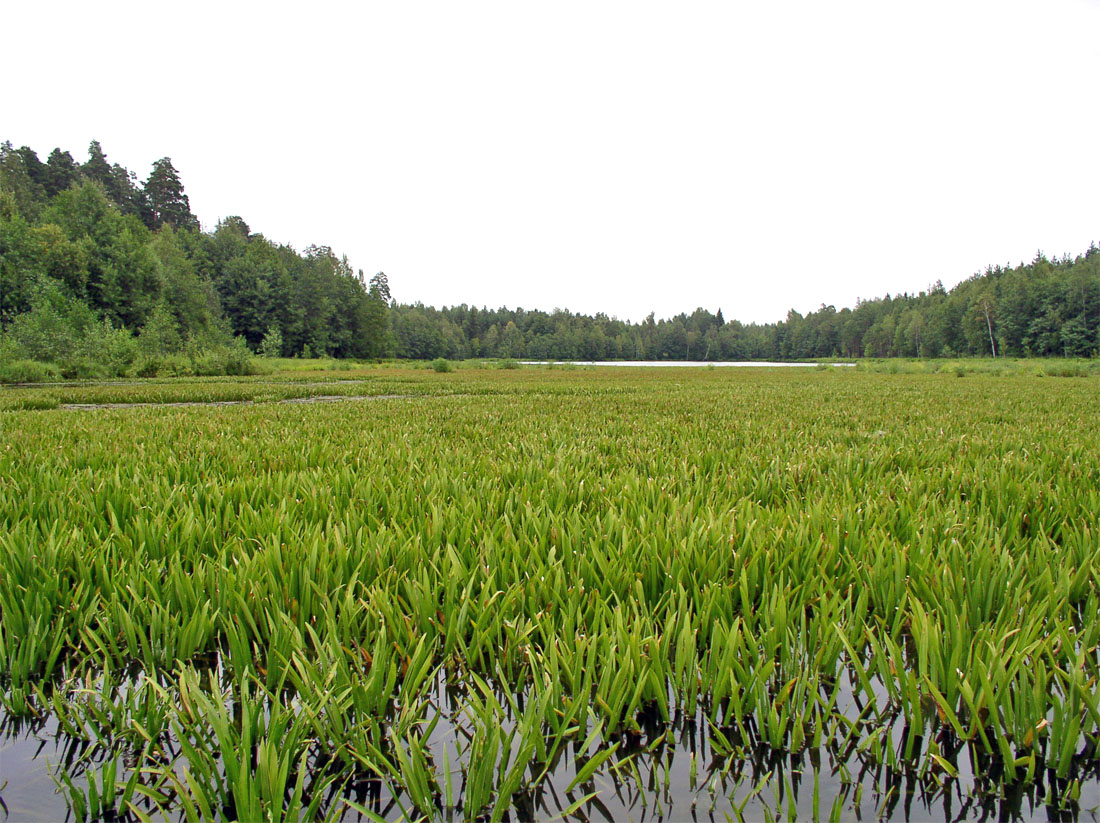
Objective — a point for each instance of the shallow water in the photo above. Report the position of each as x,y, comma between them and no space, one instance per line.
650,778
27,757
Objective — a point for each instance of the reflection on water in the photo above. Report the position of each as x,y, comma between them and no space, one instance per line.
684,769
27,751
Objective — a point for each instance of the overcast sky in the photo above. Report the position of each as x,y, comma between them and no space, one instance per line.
597,156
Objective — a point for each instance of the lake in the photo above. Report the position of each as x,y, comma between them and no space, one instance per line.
756,364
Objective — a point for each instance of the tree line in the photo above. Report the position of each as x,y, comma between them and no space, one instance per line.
101,273
1046,308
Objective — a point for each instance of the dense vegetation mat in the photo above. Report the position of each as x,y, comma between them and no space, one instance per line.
610,594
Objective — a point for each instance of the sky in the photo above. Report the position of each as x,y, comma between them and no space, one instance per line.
615,157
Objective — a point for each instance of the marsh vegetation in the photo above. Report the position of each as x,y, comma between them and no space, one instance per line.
526,593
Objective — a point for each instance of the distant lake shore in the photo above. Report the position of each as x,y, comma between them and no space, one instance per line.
677,363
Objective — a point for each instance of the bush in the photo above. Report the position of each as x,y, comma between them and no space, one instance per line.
235,359
52,331
508,363
81,368
61,330
148,368
238,357
176,365
28,371
170,365
113,350
258,365
1064,370
442,364
272,344
207,363
160,334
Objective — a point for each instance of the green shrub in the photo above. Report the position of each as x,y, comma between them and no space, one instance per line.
442,364
170,365
207,363
46,333
238,357
508,363
232,359
160,335
81,368
113,350
1064,370
28,371
272,344
258,365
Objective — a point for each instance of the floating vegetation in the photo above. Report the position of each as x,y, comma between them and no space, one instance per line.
535,594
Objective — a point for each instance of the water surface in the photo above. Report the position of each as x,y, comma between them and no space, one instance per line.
691,364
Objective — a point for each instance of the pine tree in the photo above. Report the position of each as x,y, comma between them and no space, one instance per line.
97,168
165,201
61,172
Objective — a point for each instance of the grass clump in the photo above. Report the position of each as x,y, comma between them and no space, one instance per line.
1068,368
28,371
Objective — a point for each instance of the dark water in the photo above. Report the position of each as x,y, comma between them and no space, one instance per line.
669,772
28,755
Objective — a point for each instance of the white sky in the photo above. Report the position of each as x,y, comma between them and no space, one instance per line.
623,157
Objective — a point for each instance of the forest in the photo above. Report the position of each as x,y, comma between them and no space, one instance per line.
102,274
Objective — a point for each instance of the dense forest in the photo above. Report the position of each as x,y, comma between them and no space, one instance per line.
102,274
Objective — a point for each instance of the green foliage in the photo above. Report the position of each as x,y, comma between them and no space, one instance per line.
164,200
123,283
499,581
234,358
192,300
1045,308
64,335
103,277
54,329
27,371
272,344
21,190
60,172
126,250
160,336
135,257
170,365
114,350
1069,369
